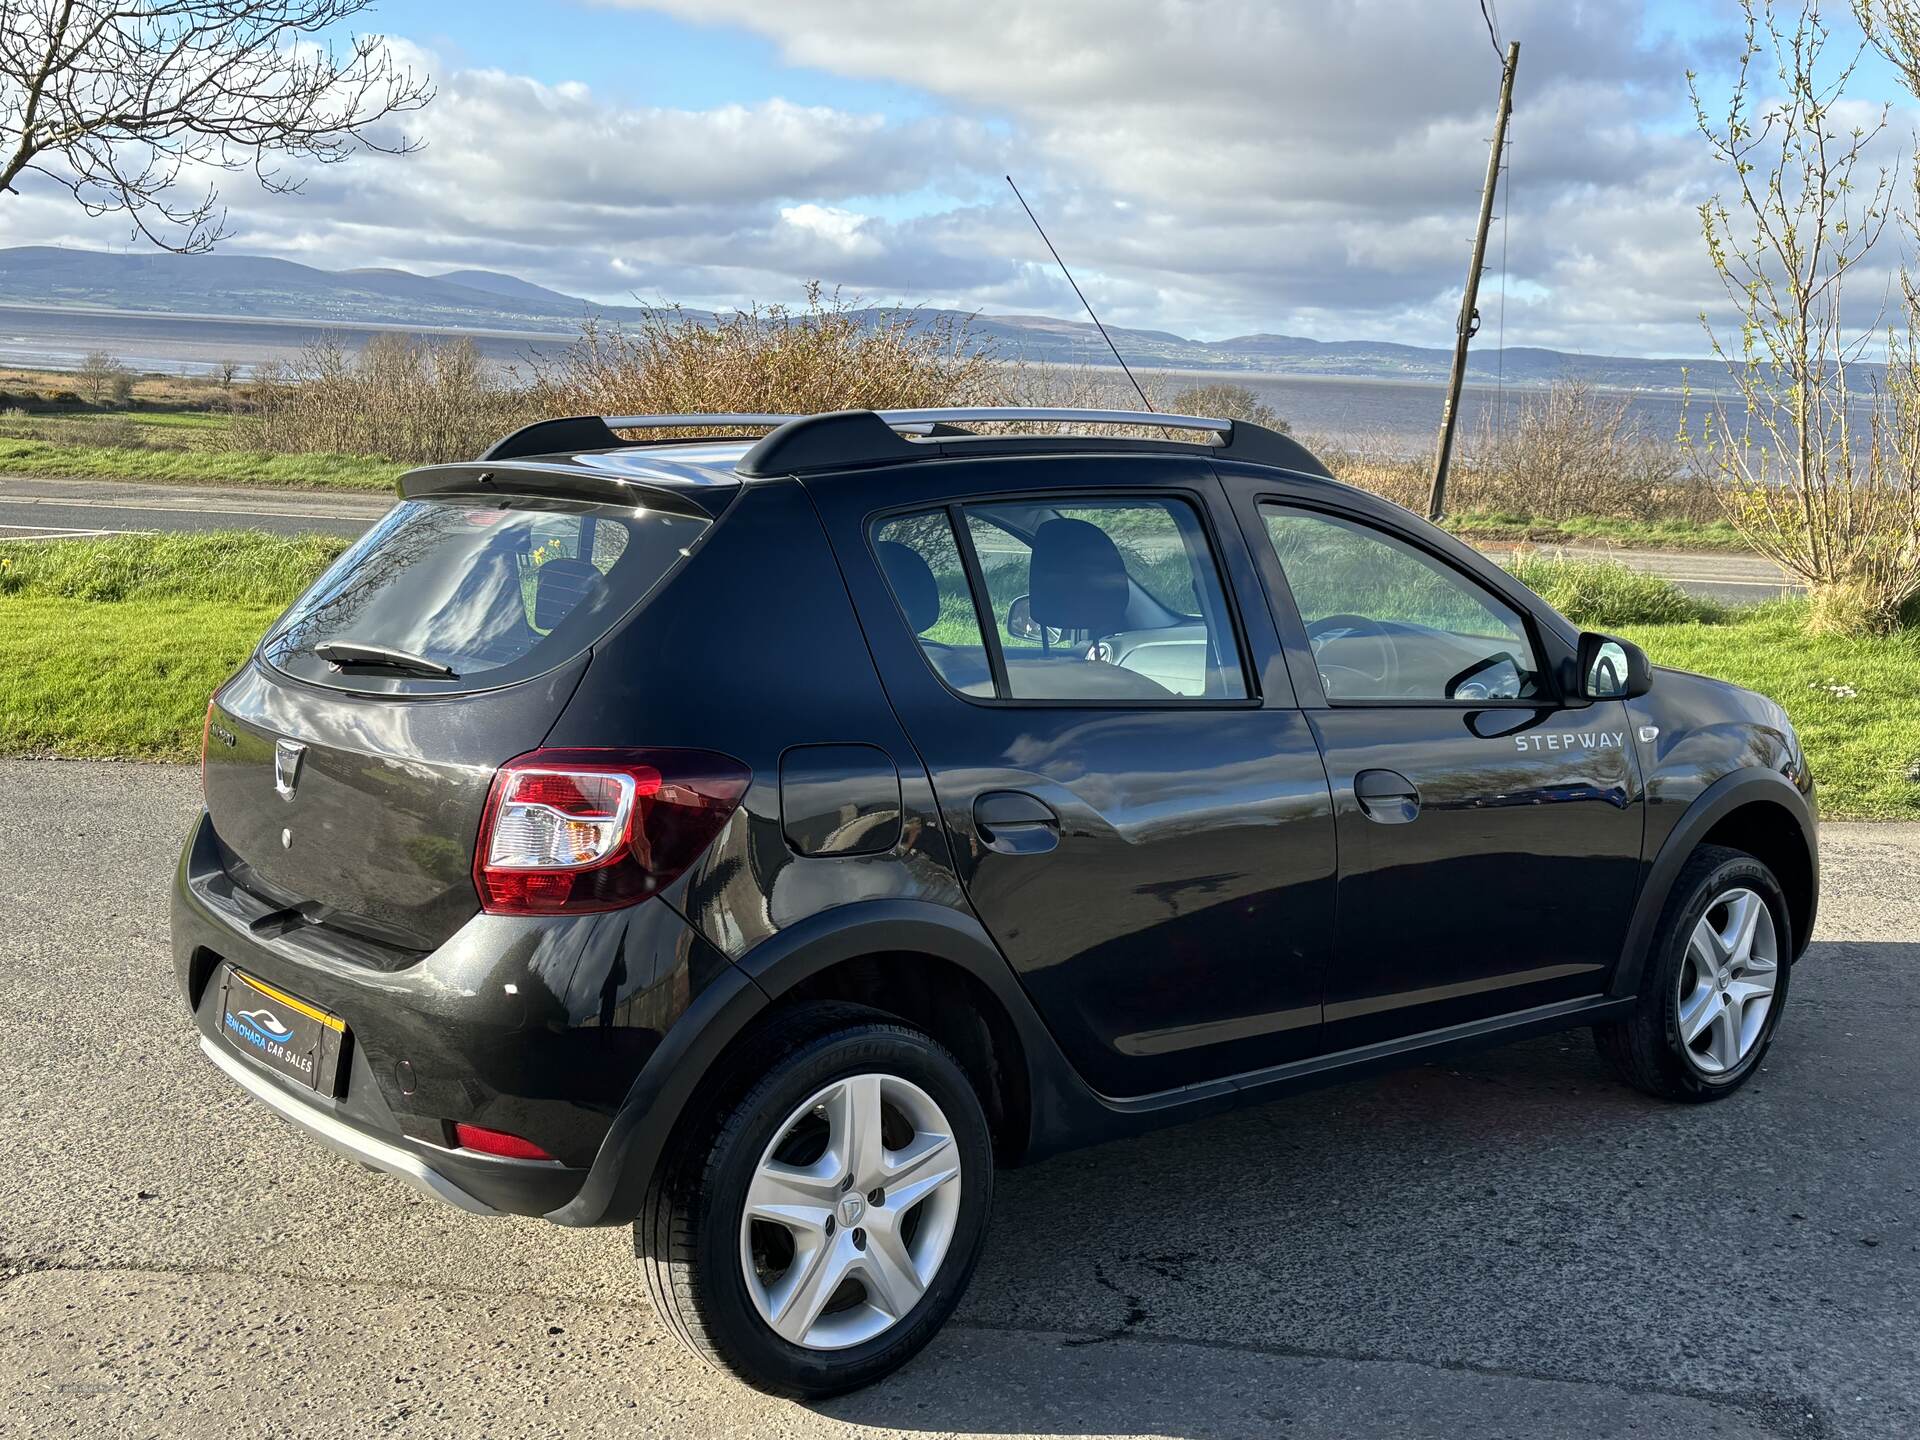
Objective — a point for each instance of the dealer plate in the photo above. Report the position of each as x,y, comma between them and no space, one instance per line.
288,1035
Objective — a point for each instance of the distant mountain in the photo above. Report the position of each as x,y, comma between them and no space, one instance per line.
512,286
256,287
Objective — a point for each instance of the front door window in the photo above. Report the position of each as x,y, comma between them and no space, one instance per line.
1388,622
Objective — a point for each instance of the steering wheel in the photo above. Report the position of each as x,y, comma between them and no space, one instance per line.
1355,627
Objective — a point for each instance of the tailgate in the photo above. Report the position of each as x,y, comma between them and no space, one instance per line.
373,817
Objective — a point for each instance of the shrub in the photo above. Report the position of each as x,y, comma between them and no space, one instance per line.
1602,595
773,359
400,397
1378,465
1570,451
1565,453
1228,402
100,375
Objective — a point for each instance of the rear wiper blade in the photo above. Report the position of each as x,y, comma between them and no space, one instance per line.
384,657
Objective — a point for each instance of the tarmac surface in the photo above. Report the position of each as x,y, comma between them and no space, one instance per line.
1510,1244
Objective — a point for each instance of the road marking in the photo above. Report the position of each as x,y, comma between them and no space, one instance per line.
60,502
61,532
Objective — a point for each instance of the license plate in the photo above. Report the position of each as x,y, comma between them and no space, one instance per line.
288,1035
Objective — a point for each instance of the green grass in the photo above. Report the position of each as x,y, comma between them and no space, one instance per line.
121,679
197,467
1855,703
77,424
110,648
1603,596
1599,530
244,567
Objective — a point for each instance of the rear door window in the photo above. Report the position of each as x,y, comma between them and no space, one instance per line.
1091,600
921,560
490,592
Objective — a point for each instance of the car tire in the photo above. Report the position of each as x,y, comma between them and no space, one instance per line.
717,1276
1692,1035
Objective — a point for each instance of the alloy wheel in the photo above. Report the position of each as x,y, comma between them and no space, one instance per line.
1727,981
850,1212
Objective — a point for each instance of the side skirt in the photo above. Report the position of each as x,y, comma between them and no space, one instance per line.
1105,1117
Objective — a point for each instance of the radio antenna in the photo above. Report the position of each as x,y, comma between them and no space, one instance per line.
1082,294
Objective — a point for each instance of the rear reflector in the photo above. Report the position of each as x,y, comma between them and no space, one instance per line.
497,1142
581,830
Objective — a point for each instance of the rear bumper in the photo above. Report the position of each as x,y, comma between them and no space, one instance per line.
336,1134
536,1026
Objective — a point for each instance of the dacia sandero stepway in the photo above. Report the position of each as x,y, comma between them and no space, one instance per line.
758,840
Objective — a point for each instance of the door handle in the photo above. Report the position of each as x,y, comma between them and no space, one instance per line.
1016,823
1386,796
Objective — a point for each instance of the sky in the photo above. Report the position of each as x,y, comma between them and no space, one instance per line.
1209,167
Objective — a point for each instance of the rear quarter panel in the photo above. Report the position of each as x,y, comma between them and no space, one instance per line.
753,650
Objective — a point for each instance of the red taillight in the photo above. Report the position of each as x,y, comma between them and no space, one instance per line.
497,1142
577,830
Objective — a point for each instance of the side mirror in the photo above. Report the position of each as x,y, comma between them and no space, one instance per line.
1613,669
1022,626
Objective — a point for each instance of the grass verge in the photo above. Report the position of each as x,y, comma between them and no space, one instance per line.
1601,596
197,467
111,647
242,567
1854,702
117,679
1598,530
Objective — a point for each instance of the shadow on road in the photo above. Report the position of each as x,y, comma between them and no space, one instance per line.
1514,1223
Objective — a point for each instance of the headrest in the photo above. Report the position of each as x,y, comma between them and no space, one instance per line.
558,586
1078,580
911,577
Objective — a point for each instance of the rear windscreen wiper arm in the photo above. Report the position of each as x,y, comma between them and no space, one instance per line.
385,657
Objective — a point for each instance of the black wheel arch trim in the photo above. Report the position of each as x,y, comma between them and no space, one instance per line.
615,1188
1719,800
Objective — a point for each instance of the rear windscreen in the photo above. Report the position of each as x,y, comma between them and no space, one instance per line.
492,592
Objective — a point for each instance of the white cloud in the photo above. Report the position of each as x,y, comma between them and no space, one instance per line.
840,229
1211,166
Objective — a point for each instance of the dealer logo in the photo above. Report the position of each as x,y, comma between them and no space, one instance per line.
267,1023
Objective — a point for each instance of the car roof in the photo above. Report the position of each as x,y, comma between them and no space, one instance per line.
585,455
856,439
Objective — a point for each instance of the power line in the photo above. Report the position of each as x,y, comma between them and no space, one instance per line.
1499,51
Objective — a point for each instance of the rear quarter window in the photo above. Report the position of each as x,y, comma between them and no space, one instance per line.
493,591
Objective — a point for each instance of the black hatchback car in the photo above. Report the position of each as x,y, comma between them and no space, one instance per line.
757,841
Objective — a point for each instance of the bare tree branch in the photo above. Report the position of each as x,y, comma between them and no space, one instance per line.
117,100
1813,471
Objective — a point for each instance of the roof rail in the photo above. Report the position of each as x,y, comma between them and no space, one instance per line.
921,420
845,439
850,439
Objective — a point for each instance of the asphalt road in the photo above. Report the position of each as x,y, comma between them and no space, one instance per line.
1510,1245
37,509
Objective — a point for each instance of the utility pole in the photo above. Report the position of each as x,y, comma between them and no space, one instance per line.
1469,323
